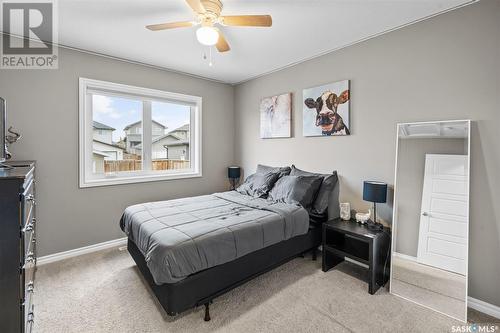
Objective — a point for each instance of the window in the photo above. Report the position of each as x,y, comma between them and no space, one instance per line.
132,134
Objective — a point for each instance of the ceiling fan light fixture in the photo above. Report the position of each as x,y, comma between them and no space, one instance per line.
208,14
207,35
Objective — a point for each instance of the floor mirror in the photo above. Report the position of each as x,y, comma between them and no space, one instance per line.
431,215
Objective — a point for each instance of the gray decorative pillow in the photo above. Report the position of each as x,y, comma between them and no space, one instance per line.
258,184
320,205
283,171
296,190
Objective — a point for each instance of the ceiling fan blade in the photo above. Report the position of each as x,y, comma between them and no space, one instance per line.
222,45
248,20
196,5
171,25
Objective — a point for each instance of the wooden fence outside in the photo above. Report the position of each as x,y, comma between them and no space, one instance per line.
170,164
136,165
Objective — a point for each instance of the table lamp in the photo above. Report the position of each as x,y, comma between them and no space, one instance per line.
233,173
375,192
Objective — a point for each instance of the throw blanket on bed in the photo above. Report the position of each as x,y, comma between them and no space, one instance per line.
184,236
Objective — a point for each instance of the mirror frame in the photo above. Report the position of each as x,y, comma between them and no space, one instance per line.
395,207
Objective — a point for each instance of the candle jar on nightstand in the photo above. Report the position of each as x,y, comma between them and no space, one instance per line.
345,211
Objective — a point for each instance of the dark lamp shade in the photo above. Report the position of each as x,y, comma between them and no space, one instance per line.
374,191
233,172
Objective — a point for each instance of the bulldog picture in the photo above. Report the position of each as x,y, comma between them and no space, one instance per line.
326,110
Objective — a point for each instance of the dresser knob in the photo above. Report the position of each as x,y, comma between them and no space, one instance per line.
31,198
30,257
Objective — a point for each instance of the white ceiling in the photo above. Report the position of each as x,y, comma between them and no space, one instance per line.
301,30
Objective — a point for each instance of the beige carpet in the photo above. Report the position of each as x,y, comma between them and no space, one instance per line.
431,278
104,292
433,287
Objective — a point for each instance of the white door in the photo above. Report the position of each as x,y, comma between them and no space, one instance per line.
444,216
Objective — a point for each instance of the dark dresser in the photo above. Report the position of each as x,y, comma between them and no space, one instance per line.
17,246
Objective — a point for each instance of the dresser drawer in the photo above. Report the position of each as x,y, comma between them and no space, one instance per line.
27,279
29,316
29,264
28,235
28,275
28,302
28,203
29,291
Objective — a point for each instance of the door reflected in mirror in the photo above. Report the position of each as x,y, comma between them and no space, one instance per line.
431,216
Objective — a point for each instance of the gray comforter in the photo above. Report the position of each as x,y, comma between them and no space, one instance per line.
184,236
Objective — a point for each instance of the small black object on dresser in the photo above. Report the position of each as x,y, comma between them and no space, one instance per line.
17,246
349,239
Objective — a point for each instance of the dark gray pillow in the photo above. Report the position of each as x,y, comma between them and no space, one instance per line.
320,205
283,171
296,190
258,184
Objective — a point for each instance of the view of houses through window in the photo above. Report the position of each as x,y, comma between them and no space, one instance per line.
170,147
118,145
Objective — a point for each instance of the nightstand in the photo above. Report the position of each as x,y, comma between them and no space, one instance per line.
348,239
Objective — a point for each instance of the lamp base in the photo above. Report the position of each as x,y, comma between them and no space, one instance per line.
374,225
233,182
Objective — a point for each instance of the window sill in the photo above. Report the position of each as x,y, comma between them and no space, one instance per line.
110,181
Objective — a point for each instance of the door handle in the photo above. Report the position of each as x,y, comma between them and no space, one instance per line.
425,214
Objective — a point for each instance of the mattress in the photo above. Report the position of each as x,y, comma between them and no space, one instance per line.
181,237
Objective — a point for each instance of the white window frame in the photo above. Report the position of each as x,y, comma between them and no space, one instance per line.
86,175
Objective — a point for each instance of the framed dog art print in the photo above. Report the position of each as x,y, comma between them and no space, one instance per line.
326,110
275,116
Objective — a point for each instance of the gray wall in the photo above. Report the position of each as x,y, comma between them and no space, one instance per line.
43,106
447,67
410,173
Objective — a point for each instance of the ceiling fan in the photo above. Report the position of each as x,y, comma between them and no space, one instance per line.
208,14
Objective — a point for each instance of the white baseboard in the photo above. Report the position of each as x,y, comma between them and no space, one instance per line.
82,250
405,256
483,307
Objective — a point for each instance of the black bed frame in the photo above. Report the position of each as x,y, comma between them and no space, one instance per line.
202,287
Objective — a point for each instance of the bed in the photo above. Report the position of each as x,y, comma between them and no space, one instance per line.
192,250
